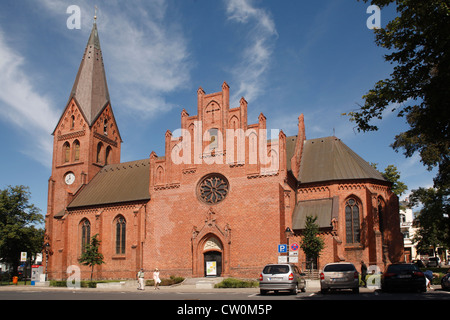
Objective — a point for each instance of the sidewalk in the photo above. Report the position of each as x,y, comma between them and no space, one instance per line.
188,285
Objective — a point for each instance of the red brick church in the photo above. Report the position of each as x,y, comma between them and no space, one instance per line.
222,192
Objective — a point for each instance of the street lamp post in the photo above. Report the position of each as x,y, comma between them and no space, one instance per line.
46,249
288,233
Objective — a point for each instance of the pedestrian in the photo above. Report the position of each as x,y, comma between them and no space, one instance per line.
428,278
140,276
156,278
363,274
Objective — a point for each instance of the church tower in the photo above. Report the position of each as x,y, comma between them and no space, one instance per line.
86,138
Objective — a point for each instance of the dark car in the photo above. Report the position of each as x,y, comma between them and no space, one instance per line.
445,282
403,276
280,277
433,262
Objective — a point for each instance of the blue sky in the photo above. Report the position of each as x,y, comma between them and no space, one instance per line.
285,57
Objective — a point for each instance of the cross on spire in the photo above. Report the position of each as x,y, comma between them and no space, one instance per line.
95,13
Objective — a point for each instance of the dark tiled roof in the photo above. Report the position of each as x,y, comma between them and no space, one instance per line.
116,183
322,209
327,159
290,150
90,89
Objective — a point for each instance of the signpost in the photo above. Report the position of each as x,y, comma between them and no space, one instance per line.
282,248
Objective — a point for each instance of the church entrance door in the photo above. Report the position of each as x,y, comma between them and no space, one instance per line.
213,263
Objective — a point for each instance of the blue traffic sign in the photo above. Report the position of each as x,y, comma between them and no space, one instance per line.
282,248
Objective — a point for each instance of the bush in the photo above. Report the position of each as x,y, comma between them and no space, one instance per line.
237,283
166,282
83,284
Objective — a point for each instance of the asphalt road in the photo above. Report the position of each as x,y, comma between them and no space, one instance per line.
222,303
217,295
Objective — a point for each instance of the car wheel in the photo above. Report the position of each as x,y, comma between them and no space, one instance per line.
324,291
356,290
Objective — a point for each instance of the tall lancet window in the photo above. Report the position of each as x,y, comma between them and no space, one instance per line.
121,227
85,234
352,226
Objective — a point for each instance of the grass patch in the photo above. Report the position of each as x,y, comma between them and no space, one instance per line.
237,283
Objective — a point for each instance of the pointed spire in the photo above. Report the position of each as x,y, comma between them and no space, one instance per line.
90,89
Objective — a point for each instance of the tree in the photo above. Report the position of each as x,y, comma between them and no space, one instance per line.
91,256
392,175
433,222
311,243
418,40
18,232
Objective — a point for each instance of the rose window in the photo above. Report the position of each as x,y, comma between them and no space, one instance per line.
213,188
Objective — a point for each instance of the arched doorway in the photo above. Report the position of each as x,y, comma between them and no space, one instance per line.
213,263
212,257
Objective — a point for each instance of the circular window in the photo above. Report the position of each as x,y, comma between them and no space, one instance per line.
213,188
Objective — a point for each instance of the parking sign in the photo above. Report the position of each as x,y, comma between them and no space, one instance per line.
282,248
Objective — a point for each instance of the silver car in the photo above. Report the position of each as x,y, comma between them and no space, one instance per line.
340,275
281,277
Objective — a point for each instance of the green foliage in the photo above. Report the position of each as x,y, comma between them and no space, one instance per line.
91,256
311,243
392,175
418,40
432,222
237,283
18,232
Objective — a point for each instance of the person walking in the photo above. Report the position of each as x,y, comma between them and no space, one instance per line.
363,274
140,276
156,278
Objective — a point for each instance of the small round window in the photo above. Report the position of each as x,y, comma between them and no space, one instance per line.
212,188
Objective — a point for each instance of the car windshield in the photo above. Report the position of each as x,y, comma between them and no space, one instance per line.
275,269
402,267
339,267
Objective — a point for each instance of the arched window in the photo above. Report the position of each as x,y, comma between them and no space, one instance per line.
85,234
121,225
352,225
99,152
108,155
213,139
76,148
105,127
380,208
66,152
72,122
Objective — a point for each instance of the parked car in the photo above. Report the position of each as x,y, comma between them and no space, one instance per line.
340,275
419,263
445,282
401,276
281,277
433,262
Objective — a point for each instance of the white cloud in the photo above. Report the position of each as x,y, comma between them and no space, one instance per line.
146,51
22,105
260,46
